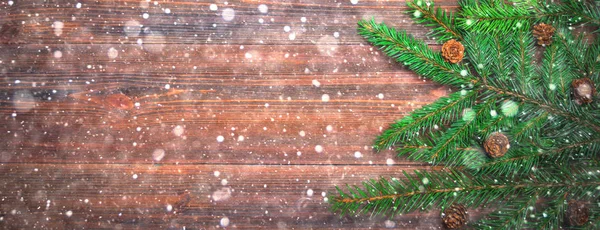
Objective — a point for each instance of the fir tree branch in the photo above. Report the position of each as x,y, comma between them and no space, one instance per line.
573,47
526,161
492,127
443,24
555,70
492,16
426,189
415,147
584,64
470,157
524,51
501,62
549,63
576,12
592,58
553,215
496,17
479,47
548,107
415,54
443,111
511,215
555,141
458,135
531,127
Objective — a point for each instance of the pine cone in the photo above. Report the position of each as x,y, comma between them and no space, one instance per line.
453,51
496,145
543,32
454,216
577,213
583,90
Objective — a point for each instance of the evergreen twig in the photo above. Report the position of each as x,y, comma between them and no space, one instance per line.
497,17
425,189
415,54
442,22
554,152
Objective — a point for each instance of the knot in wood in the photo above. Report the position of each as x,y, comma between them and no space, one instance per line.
8,32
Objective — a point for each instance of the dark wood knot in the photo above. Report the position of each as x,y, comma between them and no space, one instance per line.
8,32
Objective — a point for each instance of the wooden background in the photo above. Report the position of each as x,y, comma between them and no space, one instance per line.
188,118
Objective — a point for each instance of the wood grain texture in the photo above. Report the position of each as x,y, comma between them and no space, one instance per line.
184,119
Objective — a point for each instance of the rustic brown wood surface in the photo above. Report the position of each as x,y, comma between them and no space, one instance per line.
197,114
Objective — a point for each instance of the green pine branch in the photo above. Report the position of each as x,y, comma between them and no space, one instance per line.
479,47
511,215
423,190
415,54
497,17
501,87
428,118
555,72
493,16
573,49
553,215
441,22
574,116
523,160
459,135
527,130
592,60
523,53
500,60
510,56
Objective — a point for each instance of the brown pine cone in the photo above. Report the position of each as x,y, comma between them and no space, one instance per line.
496,145
543,32
453,51
583,90
577,213
454,216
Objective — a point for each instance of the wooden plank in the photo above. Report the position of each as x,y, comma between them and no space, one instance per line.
194,196
194,22
96,93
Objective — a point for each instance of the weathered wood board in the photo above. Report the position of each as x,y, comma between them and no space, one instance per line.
197,114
